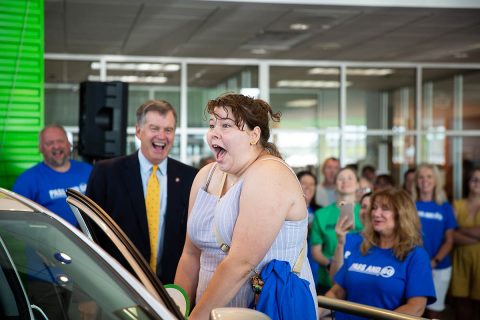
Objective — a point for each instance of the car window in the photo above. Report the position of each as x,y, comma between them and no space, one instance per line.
64,276
13,303
102,227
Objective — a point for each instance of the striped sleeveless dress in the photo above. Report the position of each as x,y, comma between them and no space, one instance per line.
208,210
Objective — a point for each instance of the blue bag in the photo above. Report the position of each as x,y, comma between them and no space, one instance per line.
284,294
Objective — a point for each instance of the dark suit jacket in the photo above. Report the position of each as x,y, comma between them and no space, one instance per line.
116,186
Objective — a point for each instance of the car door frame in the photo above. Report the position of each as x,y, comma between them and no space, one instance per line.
19,291
82,205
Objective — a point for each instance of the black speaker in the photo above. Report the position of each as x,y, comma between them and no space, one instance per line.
103,119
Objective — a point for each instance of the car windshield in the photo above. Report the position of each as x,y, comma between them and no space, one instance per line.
62,275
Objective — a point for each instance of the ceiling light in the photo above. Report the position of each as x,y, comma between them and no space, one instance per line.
352,71
299,26
461,55
324,71
302,103
147,79
251,92
259,51
170,67
329,46
309,84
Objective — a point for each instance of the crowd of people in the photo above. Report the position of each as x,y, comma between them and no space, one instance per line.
215,229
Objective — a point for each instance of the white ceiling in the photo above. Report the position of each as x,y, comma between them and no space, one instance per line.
231,29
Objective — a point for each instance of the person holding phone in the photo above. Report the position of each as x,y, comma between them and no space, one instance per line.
346,241
389,268
322,236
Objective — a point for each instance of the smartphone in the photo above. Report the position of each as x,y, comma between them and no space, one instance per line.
346,210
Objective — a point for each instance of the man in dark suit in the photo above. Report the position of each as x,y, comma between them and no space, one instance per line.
119,186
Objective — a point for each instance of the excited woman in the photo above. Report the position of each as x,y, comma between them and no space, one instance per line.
251,202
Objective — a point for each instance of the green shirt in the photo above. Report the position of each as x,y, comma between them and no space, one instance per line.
323,233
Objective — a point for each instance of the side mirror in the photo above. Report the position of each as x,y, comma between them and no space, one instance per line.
180,297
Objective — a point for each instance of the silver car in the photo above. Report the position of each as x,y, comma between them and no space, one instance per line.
52,270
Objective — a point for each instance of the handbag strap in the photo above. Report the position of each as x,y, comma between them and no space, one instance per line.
222,244
297,267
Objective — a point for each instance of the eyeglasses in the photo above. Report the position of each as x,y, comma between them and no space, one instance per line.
475,180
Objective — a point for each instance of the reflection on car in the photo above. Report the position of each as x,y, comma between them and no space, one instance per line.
52,270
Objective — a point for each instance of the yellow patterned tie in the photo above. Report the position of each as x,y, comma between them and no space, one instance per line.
152,202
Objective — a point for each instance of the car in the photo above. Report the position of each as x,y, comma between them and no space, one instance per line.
53,270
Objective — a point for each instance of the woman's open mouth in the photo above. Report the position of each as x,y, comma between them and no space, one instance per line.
219,152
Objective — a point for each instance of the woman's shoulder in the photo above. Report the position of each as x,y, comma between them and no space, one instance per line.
203,174
270,169
418,253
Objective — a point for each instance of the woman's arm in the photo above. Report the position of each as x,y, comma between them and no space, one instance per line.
316,242
444,250
461,239
270,195
318,255
336,292
415,306
341,230
472,232
188,269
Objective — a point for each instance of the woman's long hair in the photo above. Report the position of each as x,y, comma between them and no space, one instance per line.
439,195
407,224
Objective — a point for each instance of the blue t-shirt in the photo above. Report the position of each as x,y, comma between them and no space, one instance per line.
46,186
352,242
436,220
378,279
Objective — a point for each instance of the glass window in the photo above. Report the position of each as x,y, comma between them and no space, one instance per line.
198,150
471,100
62,275
306,150
437,106
62,104
391,155
308,97
13,304
202,87
70,71
380,98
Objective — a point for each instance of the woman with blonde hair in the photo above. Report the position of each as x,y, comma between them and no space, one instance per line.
389,265
438,224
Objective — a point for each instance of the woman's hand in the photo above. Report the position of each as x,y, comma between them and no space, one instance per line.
341,229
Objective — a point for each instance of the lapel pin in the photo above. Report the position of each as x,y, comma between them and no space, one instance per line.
177,179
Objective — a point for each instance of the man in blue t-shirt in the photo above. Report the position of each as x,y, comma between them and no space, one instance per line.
46,182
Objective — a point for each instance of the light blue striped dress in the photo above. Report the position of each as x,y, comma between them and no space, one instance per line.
209,209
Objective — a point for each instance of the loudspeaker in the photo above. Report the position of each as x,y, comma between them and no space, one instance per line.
103,119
